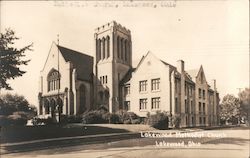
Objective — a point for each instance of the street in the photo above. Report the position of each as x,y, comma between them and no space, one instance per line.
224,143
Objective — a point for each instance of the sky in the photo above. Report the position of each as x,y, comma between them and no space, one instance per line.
214,34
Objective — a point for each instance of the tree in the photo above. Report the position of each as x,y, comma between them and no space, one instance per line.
244,98
230,109
11,58
15,110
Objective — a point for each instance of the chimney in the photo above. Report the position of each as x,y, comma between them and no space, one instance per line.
214,85
180,66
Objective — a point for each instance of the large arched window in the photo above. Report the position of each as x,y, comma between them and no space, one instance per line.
53,79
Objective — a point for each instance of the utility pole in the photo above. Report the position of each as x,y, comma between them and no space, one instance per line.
58,86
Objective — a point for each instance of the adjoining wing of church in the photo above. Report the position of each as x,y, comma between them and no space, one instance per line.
78,82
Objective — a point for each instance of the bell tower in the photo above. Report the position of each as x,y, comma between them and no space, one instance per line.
113,59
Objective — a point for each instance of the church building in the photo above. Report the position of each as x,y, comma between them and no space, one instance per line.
72,82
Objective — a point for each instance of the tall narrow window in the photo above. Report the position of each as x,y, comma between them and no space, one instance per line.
186,106
118,47
108,46
204,94
199,93
121,48
204,110
200,108
126,51
103,48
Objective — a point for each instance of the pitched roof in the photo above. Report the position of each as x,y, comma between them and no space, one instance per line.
171,66
82,62
193,73
127,76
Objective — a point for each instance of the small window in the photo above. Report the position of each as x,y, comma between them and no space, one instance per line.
204,110
200,119
155,84
106,79
143,86
199,93
127,105
143,104
204,94
126,90
156,103
199,107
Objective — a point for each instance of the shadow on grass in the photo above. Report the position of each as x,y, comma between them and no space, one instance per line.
29,133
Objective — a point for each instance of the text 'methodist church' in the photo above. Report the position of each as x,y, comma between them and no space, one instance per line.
78,82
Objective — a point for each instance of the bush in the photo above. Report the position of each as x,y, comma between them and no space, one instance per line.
42,121
114,118
128,117
96,116
11,120
176,121
159,120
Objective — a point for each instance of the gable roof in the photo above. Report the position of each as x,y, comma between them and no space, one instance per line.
193,73
127,77
82,62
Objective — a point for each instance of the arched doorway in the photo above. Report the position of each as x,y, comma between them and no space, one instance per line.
82,102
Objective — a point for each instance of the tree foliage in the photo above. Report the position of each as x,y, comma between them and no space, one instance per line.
230,109
15,110
11,58
244,98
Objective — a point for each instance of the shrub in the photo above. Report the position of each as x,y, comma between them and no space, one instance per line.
114,118
128,117
159,120
176,121
96,116
11,120
42,121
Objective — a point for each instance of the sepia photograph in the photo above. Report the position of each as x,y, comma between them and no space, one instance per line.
124,79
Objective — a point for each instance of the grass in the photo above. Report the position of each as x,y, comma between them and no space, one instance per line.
27,133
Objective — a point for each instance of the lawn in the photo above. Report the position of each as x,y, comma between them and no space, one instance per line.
27,133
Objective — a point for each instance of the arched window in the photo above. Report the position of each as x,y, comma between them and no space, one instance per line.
53,79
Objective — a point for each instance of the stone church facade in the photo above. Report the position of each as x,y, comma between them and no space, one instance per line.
72,82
